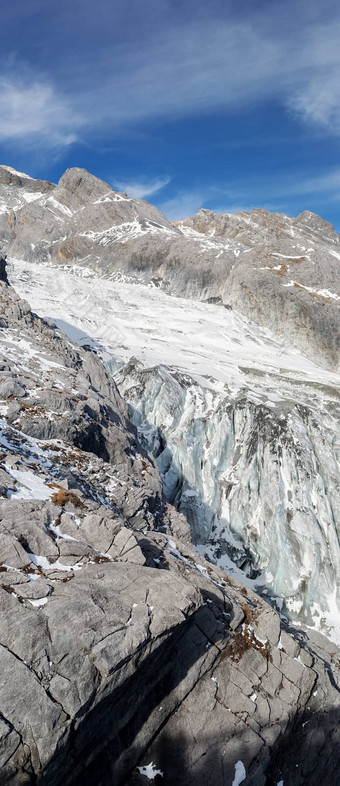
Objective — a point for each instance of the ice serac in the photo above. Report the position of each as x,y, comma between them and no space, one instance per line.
244,428
122,652
257,480
245,402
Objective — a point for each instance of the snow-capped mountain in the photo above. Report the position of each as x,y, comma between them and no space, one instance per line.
281,272
115,635
240,405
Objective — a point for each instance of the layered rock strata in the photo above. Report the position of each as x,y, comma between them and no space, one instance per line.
123,654
281,272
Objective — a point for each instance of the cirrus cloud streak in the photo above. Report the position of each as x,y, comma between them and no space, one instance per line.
207,65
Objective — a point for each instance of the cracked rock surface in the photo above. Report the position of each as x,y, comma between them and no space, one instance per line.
122,651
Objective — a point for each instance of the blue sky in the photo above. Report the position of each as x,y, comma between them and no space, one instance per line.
189,104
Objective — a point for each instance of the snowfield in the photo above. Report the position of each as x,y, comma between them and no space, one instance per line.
245,429
211,343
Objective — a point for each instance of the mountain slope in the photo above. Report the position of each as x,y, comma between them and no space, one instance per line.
281,272
246,425
245,429
121,651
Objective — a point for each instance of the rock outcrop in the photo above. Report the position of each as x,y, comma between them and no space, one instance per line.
124,655
281,272
52,392
244,429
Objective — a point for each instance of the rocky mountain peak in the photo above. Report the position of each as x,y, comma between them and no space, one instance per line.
117,635
11,177
249,260
315,222
80,182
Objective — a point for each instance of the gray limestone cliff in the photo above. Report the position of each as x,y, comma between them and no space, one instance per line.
124,655
122,651
281,272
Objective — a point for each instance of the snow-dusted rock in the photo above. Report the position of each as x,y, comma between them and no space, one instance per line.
57,403
124,654
281,272
244,428
128,661
120,648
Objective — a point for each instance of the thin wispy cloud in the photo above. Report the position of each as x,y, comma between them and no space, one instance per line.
245,194
186,203
327,183
32,110
200,67
139,189
215,64
182,204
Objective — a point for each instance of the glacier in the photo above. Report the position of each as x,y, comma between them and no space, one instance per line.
244,427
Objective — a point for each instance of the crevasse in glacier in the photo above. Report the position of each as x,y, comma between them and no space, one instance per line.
244,428
254,480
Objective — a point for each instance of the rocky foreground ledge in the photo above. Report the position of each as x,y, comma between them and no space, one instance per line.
125,657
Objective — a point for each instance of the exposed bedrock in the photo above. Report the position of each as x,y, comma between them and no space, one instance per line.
246,439
123,652
119,660
281,272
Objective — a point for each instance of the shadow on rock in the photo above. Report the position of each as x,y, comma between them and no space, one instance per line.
154,557
107,740
304,758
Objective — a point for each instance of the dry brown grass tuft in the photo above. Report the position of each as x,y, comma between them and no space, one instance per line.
62,497
245,638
